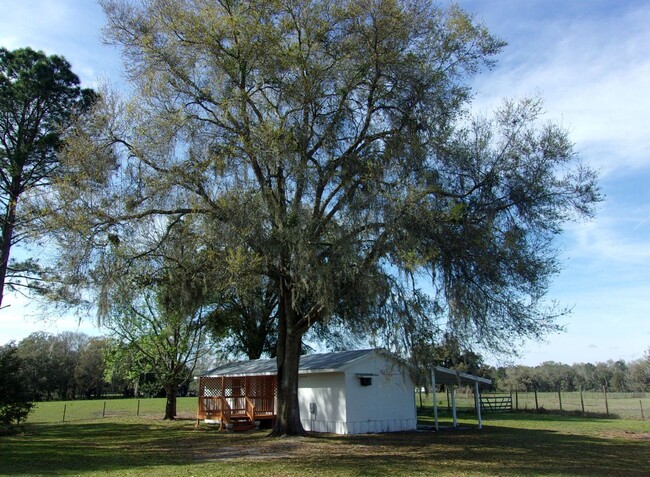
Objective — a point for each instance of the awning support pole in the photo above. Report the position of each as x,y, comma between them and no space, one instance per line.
477,395
453,405
435,398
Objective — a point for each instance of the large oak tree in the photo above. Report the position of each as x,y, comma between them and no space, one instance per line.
325,146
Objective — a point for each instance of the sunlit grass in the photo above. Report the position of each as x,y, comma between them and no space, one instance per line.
510,444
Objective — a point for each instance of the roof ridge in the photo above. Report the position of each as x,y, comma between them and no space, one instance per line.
308,362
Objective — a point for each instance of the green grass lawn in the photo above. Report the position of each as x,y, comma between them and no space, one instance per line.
510,444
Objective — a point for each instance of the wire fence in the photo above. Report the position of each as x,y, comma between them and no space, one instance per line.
616,405
623,405
79,410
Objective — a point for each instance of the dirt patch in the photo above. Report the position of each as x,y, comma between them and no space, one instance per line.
628,435
265,449
225,453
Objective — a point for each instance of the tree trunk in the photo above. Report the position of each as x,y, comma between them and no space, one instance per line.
7,236
170,406
288,422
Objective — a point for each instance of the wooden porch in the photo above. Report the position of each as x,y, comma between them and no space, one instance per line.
236,402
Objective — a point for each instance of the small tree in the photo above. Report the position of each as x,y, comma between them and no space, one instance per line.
14,403
156,308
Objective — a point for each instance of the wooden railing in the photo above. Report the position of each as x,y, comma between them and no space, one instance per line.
225,411
264,406
250,409
236,399
213,407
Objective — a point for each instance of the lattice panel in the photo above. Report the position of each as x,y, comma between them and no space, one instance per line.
234,386
262,386
210,387
238,386
253,386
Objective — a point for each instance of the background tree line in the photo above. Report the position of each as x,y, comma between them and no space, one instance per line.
615,376
75,366
550,376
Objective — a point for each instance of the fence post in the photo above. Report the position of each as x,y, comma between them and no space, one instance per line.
64,408
104,410
606,403
559,396
641,406
582,402
536,402
516,399
448,401
137,413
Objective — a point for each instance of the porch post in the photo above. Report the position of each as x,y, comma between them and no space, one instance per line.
435,397
477,395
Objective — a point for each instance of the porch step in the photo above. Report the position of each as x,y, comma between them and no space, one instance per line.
240,424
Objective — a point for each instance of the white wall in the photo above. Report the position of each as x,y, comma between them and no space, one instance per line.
387,405
343,406
326,391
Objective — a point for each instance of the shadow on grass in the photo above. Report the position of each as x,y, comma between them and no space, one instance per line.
523,416
498,450
59,449
494,451
115,446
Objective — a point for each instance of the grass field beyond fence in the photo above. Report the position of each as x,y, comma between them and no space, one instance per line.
123,444
70,411
623,405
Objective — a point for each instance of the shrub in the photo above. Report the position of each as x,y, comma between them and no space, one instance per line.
14,403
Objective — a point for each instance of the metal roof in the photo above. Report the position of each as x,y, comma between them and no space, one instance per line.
332,363
450,376
309,363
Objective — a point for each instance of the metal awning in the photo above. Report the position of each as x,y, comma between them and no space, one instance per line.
450,377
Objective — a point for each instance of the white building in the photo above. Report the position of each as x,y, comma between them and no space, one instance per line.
349,392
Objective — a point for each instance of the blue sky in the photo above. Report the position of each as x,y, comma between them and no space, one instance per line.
587,59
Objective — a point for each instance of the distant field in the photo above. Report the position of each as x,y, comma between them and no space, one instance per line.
53,411
510,444
623,405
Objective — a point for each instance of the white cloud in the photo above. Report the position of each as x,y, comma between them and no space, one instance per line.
611,241
70,28
19,319
594,73
590,63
